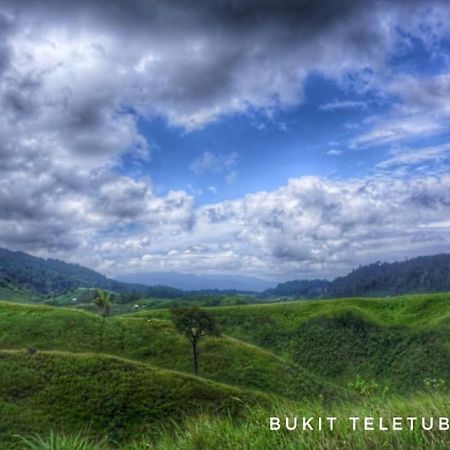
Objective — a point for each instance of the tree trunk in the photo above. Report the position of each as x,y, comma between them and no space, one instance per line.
195,356
102,333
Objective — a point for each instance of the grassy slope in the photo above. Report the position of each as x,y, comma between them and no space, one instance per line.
156,341
399,341
250,431
253,433
15,294
64,391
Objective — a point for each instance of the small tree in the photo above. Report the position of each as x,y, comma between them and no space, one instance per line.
194,323
102,301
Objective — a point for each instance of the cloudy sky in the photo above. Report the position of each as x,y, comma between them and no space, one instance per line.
280,139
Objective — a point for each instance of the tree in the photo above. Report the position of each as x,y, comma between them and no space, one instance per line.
194,323
103,303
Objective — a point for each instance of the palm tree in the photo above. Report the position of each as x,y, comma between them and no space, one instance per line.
103,303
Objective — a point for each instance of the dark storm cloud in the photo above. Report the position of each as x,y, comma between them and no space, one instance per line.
209,55
5,30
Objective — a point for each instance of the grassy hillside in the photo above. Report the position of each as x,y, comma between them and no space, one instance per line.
16,294
271,348
156,341
118,397
251,431
398,341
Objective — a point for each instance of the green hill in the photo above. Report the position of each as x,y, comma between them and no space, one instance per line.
156,341
397,341
275,349
121,398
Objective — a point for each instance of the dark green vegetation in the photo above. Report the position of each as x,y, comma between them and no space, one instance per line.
51,277
299,289
422,274
417,275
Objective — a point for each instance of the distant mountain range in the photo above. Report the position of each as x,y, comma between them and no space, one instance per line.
189,282
49,277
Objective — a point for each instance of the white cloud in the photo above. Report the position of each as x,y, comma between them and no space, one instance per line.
417,156
309,227
334,152
75,78
210,162
421,109
337,105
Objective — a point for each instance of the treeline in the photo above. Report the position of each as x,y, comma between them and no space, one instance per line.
299,289
417,275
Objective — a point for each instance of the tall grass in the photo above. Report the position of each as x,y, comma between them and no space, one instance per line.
55,441
252,433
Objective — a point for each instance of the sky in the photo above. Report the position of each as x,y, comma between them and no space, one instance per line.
279,139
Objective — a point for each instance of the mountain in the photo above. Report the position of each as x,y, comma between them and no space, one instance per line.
417,275
197,282
52,277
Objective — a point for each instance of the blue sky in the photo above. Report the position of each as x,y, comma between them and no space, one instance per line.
278,139
306,139
314,137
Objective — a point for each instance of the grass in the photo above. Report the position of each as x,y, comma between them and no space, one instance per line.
113,396
16,294
252,432
265,364
397,341
157,342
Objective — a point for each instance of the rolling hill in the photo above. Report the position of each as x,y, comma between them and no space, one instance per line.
62,369
118,397
397,341
155,341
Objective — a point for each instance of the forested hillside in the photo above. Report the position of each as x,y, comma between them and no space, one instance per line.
417,275
52,277
422,274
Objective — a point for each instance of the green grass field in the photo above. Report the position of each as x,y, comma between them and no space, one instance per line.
397,341
155,341
250,431
128,379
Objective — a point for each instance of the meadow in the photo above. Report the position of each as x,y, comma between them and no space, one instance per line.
73,381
